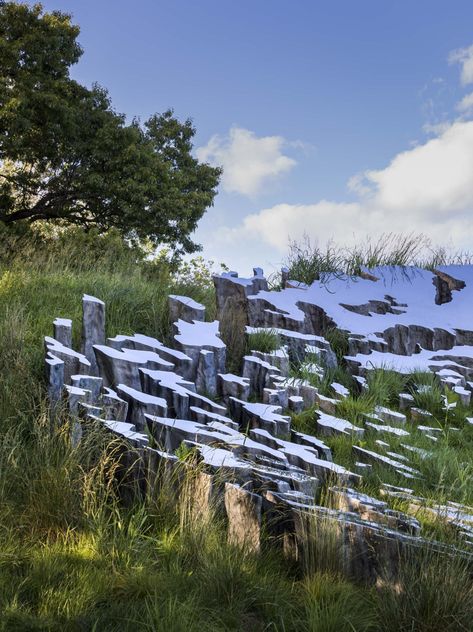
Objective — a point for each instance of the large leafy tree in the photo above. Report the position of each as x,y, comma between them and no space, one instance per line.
67,156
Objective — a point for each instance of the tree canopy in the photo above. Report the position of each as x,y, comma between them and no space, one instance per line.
66,155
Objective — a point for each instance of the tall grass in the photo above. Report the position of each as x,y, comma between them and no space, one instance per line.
79,554
233,321
427,393
434,592
335,605
338,340
264,340
309,262
385,385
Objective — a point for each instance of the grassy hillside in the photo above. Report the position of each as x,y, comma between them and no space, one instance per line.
72,557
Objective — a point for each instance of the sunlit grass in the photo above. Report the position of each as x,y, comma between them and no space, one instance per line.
76,553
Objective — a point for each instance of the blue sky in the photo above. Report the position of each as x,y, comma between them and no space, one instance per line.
336,119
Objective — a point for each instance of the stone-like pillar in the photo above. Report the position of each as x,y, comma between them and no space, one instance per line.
230,385
185,308
206,380
62,328
93,328
55,378
75,396
116,408
74,362
244,517
90,383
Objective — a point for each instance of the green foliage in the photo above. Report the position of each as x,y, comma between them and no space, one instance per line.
196,270
434,593
447,472
324,378
185,453
304,421
385,385
336,605
233,321
264,340
308,262
67,156
427,393
338,340
354,408
74,557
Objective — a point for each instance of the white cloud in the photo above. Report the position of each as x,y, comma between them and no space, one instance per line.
277,224
464,56
426,189
357,184
435,129
466,104
430,180
248,161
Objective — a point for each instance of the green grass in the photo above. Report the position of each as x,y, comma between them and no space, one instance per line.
335,605
384,386
434,593
302,370
78,554
308,262
264,340
354,408
427,393
338,340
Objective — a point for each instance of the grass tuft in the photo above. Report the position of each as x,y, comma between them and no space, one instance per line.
264,340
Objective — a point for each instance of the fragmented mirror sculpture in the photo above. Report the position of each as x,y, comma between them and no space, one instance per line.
264,472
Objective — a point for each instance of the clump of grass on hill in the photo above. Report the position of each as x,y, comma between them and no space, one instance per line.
336,605
264,340
442,256
338,340
427,392
355,409
308,262
385,385
304,421
434,592
233,321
